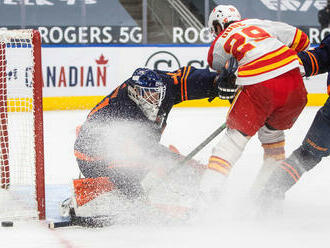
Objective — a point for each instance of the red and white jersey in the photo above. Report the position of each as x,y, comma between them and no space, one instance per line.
264,49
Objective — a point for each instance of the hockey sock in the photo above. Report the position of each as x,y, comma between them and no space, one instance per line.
219,165
271,192
274,151
273,142
227,151
285,175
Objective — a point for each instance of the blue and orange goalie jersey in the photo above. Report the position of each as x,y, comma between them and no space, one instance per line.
317,61
186,83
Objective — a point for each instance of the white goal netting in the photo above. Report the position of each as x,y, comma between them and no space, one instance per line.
18,130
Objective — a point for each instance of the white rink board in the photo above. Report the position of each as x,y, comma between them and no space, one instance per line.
122,61
73,71
316,84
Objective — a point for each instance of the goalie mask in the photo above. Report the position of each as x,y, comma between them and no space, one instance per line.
221,15
147,90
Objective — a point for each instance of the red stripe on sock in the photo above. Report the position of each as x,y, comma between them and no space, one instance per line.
290,173
292,169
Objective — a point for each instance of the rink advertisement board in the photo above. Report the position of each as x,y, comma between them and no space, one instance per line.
78,77
96,71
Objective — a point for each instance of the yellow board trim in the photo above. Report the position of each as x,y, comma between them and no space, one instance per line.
317,99
88,102
70,102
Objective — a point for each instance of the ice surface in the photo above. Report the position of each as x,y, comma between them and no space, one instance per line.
305,222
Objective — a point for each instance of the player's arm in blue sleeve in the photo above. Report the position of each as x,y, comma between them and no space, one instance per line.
200,84
191,83
316,61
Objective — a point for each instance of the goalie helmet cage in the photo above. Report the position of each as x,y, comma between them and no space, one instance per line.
22,192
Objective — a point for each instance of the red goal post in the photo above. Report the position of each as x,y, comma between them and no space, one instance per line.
21,126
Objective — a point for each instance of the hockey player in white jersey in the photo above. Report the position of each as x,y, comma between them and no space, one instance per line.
272,92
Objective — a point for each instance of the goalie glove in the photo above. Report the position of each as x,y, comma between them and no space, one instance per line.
225,81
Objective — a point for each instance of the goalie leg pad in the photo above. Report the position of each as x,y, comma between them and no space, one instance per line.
87,189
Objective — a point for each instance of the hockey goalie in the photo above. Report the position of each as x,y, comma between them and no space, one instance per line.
125,168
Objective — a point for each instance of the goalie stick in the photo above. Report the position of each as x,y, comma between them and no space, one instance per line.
84,221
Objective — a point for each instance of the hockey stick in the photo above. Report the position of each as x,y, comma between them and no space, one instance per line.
194,152
180,164
203,144
198,148
84,221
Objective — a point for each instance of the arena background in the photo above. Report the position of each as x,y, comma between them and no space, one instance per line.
89,47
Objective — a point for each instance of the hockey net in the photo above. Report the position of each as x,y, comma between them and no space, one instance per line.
22,193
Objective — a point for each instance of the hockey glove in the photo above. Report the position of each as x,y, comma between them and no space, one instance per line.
226,80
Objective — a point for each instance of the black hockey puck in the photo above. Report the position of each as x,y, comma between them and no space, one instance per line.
7,223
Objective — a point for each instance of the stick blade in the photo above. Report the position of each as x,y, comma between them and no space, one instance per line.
83,221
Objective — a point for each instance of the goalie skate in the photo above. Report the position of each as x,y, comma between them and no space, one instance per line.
67,209
82,209
66,206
